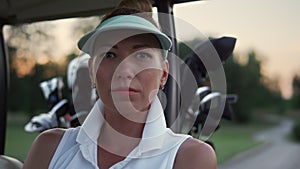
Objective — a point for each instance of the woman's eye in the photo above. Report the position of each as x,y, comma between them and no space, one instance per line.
143,55
108,55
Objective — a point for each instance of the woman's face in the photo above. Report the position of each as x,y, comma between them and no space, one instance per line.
129,73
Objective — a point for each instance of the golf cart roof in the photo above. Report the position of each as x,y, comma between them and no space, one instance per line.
16,11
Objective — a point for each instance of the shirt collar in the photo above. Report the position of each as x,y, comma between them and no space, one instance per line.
155,128
153,133
90,128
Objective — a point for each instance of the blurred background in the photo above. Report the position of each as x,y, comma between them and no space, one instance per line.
264,69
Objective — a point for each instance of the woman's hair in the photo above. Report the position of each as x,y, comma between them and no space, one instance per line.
142,8
142,5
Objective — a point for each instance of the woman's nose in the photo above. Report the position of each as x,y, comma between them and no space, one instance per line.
125,69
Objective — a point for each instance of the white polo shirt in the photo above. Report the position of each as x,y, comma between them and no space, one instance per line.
156,150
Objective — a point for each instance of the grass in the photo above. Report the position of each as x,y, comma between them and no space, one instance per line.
294,135
233,138
18,142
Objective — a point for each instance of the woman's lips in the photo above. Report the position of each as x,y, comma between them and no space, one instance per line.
125,90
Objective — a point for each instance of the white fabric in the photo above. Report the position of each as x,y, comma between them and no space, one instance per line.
157,148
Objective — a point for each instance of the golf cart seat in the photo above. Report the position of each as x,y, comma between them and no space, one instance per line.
10,163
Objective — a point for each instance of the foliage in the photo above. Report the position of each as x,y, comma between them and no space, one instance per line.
27,45
296,90
247,81
25,94
293,102
296,130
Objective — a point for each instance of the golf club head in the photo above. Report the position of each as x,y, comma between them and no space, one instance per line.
210,106
203,91
205,104
52,89
192,110
41,123
48,120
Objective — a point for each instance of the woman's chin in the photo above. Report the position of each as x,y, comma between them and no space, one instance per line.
131,111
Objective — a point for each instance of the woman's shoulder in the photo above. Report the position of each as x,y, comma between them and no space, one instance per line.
195,153
52,136
43,149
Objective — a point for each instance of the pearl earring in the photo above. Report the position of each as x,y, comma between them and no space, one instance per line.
161,87
93,85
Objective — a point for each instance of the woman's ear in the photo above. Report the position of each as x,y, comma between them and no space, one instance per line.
165,73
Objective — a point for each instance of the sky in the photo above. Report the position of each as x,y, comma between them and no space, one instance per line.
269,27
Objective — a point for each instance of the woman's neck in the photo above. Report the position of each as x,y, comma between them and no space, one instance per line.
132,125
119,134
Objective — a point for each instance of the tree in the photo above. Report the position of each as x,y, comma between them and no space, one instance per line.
296,89
24,49
248,82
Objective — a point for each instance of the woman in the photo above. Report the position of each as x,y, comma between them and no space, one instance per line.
126,127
